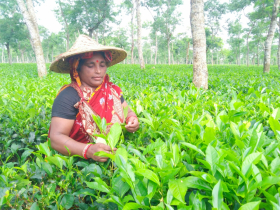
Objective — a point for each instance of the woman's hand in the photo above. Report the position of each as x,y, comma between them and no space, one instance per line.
132,124
97,148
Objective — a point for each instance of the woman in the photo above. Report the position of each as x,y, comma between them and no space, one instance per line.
90,93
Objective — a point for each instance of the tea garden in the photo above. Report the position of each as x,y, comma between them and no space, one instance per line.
195,149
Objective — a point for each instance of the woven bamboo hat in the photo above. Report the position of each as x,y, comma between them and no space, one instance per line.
85,44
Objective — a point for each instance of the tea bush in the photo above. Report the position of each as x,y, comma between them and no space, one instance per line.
195,149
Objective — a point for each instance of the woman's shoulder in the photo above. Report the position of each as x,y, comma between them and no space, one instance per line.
68,95
117,89
63,105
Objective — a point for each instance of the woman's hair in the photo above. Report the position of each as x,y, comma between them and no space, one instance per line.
82,61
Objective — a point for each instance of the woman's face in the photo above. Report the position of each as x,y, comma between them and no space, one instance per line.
93,71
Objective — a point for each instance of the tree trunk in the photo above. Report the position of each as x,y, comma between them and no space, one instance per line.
31,22
139,35
90,33
151,61
156,50
258,59
200,72
22,56
132,32
172,55
168,48
278,53
95,33
187,54
248,50
239,58
269,39
9,53
3,58
248,34
236,56
66,25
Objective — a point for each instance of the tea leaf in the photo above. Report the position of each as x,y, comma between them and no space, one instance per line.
217,194
250,206
67,201
178,189
114,135
149,175
34,206
212,158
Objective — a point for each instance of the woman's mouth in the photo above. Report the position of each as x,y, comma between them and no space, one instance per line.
97,78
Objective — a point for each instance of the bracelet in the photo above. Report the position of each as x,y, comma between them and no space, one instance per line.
130,117
85,151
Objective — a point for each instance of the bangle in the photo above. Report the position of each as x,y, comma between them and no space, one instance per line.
85,151
130,117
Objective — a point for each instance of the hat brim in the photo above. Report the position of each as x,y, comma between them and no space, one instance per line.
61,63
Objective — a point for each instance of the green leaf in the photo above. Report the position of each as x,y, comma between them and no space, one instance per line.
67,201
237,170
119,186
139,154
25,154
274,124
32,112
44,149
125,111
250,206
47,167
114,135
276,113
104,154
271,148
176,155
209,135
55,160
34,206
178,189
153,146
253,158
122,151
212,158
98,186
235,130
191,146
97,120
196,183
15,147
217,195
275,165
204,176
267,182
130,206
275,206
149,175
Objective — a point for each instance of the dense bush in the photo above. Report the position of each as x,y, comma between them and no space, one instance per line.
195,149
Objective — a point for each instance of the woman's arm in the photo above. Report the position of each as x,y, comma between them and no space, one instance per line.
59,135
131,120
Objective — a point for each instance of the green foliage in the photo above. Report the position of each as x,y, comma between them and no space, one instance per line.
195,149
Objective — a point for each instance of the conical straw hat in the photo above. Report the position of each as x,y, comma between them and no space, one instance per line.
85,44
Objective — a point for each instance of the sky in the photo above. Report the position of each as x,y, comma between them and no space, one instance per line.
46,17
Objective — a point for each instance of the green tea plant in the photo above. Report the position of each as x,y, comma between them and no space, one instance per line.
195,149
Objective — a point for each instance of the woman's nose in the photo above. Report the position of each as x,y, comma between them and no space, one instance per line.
97,69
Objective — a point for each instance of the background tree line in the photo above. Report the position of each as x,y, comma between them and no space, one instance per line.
161,46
